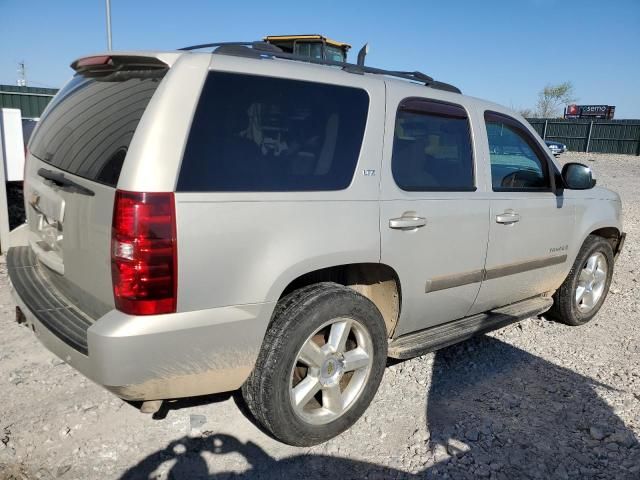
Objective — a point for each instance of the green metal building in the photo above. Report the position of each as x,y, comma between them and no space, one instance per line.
30,100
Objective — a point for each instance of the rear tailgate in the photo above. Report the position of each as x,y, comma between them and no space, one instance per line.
74,163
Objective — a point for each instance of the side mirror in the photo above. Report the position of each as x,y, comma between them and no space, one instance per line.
577,176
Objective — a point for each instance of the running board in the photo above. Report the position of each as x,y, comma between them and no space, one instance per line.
440,336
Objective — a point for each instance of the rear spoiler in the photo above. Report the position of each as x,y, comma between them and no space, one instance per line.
109,62
106,63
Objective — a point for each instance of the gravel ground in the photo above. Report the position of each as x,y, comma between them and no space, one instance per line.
533,400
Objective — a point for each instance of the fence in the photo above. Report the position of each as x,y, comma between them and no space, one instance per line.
602,136
31,101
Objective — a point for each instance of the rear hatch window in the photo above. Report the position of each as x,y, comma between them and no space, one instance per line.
256,133
89,125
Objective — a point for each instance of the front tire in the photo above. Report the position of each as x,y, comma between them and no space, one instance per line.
584,290
320,365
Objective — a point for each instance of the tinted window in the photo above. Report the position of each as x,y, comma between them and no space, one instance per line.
432,147
334,54
88,127
255,133
516,162
309,49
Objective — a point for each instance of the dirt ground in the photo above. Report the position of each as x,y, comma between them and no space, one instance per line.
534,400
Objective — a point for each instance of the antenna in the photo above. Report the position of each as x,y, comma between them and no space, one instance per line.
22,75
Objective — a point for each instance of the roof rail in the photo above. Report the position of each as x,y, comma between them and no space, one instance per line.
257,44
258,49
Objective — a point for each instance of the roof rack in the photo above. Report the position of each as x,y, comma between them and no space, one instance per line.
258,49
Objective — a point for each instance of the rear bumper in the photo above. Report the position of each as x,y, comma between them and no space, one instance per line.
158,356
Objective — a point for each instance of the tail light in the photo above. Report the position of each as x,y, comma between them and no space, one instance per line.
95,61
144,253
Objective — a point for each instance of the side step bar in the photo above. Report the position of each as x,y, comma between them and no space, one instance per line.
440,336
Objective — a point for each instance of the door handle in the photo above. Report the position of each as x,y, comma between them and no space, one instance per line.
508,218
407,223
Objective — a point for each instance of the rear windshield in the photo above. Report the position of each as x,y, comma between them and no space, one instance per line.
253,133
87,128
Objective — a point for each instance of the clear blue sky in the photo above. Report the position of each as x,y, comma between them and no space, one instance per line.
504,51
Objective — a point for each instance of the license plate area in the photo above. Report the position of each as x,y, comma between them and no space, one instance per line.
48,207
47,233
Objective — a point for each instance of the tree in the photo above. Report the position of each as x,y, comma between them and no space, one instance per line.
552,97
527,112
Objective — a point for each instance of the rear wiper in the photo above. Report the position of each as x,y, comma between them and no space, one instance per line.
64,182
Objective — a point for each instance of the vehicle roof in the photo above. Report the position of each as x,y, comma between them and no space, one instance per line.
403,87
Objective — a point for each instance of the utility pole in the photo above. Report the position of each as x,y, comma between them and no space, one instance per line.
108,2
22,75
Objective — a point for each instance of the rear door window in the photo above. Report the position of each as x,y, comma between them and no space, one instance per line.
88,127
432,147
254,133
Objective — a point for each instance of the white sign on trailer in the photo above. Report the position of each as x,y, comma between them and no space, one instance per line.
12,165
12,144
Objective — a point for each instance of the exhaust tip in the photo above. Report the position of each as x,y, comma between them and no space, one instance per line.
150,406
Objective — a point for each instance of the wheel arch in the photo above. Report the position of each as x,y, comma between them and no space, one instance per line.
601,218
613,235
376,281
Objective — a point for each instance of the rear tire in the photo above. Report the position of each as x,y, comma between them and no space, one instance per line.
320,364
584,290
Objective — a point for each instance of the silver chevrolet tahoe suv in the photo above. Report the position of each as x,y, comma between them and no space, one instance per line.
246,219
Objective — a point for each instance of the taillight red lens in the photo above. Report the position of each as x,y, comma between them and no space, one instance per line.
144,253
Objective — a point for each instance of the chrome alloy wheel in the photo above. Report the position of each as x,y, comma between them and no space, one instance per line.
591,282
331,370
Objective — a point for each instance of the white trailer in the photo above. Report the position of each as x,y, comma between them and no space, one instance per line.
12,156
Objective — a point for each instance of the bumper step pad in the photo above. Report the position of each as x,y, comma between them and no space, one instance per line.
44,301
